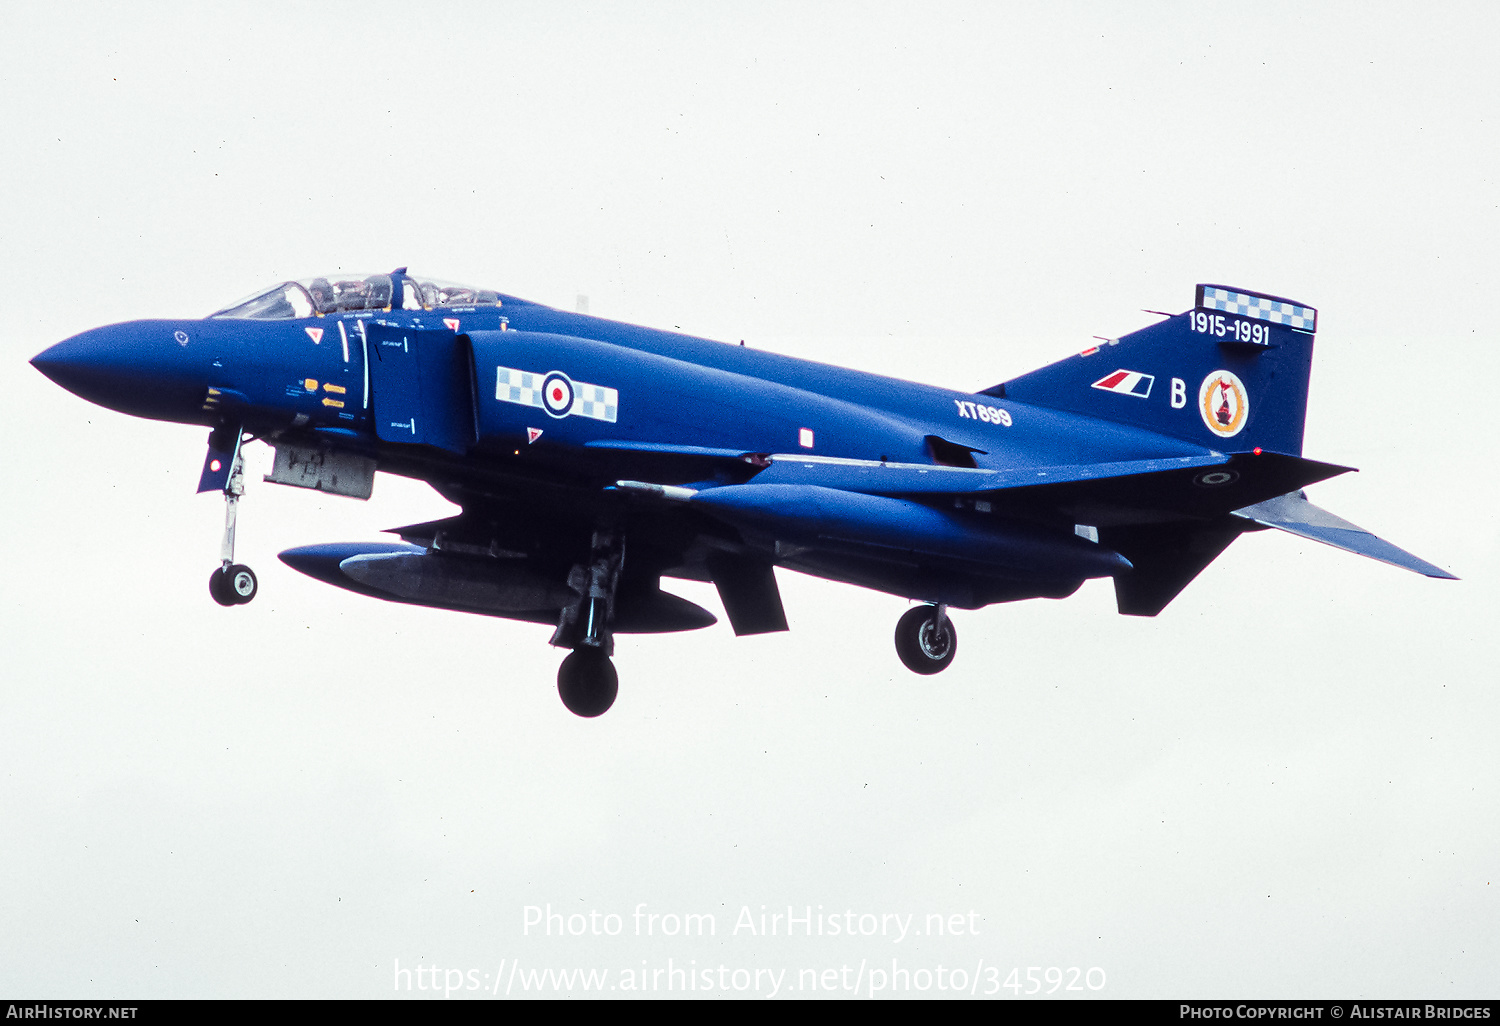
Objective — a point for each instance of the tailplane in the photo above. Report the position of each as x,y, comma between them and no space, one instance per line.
1293,514
1167,556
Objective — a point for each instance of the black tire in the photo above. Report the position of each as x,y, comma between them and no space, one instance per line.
242,584
924,645
221,588
587,682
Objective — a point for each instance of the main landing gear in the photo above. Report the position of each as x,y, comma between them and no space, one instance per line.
586,681
926,639
233,584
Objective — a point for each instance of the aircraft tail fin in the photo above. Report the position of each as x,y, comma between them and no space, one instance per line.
1230,374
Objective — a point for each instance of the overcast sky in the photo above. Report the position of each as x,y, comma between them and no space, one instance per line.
1283,786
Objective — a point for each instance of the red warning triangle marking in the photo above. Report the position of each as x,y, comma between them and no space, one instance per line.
316,334
451,323
532,434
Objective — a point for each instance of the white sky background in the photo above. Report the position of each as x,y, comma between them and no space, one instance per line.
1283,786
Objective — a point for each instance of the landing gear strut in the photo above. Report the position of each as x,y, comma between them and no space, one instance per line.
233,584
926,639
586,680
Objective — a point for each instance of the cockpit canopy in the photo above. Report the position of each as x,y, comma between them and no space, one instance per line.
314,297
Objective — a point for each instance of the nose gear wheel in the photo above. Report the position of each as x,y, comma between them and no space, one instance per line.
233,585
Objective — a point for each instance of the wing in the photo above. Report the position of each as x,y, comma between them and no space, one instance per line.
1097,494
970,536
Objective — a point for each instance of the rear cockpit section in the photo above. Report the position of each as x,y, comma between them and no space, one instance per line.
317,297
430,294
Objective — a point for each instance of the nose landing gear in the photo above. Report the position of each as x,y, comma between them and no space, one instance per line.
233,584
926,639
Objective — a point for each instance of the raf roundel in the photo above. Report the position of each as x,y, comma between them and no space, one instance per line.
1223,403
557,394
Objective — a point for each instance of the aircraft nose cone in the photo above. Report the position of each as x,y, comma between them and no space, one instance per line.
57,363
76,364
136,368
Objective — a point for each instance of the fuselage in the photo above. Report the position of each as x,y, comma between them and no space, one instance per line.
418,387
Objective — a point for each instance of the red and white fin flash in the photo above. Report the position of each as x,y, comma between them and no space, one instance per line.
1127,382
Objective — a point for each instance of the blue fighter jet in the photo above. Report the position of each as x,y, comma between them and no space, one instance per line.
592,458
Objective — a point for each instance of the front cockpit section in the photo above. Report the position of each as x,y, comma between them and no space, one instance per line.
318,297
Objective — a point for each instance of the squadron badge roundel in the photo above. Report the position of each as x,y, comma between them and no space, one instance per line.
557,394
1223,403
